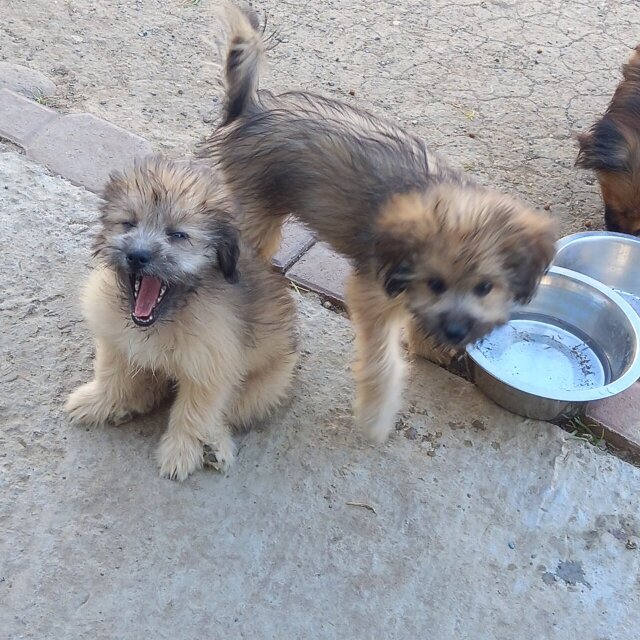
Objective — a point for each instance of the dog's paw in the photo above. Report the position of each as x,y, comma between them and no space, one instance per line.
378,431
375,426
179,456
219,456
89,405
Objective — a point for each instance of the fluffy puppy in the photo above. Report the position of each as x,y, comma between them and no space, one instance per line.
612,149
177,298
429,247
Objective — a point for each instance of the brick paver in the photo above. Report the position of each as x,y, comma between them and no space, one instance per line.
85,149
296,239
28,82
20,118
323,271
620,419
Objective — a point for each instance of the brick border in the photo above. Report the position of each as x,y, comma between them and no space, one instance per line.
85,149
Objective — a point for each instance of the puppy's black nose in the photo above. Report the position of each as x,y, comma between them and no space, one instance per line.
456,331
139,258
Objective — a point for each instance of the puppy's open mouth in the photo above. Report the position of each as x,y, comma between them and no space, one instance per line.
149,293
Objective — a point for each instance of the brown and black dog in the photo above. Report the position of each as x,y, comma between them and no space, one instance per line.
612,149
431,250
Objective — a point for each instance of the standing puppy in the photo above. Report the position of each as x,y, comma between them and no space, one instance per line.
612,149
178,298
427,245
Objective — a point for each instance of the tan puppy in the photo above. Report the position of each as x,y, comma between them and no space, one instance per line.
612,149
178,298
427,244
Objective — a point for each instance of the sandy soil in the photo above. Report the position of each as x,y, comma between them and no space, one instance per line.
497,86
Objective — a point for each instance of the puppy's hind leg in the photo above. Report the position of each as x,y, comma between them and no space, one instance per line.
196,421
262,231
380,368
116,393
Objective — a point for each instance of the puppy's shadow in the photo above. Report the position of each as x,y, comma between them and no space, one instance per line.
150,426
153,423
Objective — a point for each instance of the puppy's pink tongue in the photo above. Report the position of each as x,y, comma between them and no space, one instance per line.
147,296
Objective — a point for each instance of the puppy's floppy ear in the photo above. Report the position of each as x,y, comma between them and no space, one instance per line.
113,196
228,251
528,249
115,187
405,225
604,147
393,263
397,278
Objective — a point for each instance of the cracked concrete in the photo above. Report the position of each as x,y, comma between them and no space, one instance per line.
471,523
519,77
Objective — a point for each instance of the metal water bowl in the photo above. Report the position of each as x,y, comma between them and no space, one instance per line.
577,341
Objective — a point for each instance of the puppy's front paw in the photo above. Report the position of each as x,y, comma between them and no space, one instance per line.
219,456
90,405
179,455
375,428
376,421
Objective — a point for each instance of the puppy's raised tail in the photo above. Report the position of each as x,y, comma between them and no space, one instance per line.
245,56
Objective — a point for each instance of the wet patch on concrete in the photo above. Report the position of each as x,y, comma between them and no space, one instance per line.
570,572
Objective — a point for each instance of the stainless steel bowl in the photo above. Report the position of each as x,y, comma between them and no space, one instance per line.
577,341
610,258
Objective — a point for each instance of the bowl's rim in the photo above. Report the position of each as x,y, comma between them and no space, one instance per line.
585,395
574,237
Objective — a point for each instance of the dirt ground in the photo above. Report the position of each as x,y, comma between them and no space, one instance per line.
497,86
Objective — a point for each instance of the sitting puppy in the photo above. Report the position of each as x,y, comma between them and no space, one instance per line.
612,149
178,298
427,244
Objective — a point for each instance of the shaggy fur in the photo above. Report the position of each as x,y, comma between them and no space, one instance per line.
427,245
612,149
223,329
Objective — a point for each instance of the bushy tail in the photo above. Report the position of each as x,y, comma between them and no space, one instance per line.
245,55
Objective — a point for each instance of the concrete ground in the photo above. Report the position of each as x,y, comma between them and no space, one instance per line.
470,523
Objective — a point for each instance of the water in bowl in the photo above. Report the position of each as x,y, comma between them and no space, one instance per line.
542,355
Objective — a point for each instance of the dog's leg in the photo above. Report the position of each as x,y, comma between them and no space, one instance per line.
262,391
263,231
117,392
379,368
428,348
196,421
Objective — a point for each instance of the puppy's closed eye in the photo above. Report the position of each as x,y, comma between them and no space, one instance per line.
177,235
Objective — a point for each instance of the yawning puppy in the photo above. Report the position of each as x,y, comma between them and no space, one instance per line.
177,298
427,244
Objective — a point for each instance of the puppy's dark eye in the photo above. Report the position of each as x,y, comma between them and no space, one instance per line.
482,289
127,224
437,285
177,235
